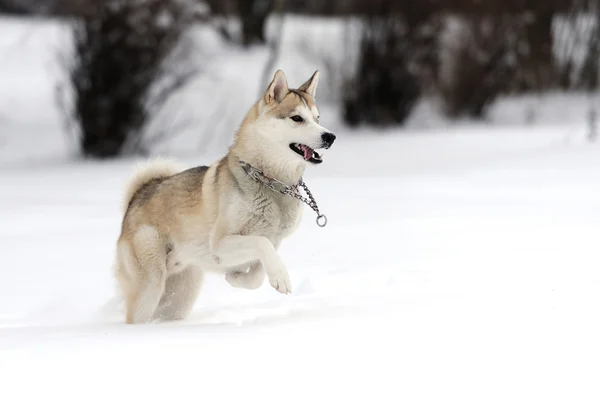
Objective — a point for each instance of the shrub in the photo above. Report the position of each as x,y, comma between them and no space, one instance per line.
383,89
478,62
118,71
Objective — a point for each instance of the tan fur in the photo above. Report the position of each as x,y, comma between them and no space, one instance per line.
146,171
181,223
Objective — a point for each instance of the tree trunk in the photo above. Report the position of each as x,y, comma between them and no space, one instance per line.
253,17
539,37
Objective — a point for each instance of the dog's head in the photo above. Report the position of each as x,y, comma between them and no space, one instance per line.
288,121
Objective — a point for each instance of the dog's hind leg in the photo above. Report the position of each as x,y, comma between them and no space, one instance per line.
249,278
147,272
181,291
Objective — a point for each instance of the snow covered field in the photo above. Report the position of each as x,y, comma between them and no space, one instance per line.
458,262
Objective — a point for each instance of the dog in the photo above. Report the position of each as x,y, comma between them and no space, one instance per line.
179,223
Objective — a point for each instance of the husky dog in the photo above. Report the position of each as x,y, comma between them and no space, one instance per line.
179,223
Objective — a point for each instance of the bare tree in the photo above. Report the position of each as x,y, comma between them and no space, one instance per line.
252,16
387,82
478,62
118,73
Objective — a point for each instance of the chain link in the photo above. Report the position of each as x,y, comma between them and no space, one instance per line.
286,189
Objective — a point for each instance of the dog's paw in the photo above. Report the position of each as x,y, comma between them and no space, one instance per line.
281,282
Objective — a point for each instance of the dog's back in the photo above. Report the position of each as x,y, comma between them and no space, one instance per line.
147,173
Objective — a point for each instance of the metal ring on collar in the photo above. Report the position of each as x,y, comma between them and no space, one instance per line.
321,220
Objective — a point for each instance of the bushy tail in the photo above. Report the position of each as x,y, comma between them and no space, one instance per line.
145,172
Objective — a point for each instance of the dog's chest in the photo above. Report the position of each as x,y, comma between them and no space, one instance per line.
272,218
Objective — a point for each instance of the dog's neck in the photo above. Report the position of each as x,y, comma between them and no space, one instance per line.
246,149
287,172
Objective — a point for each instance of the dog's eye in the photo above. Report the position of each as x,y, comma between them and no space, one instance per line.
297,118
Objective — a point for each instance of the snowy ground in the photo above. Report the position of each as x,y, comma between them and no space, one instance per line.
458,262
438,276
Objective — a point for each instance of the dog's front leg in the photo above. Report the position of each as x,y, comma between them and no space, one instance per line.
234,250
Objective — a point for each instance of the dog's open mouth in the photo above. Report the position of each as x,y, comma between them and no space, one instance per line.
306,152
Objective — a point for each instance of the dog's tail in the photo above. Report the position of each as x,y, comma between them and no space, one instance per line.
147,171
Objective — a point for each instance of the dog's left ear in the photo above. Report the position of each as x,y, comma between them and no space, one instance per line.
278,88
310,86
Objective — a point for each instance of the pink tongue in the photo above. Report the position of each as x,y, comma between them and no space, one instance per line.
308,152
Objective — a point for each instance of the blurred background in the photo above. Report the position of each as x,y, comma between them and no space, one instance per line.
106,79
461,194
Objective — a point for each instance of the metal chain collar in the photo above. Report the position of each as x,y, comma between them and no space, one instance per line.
282,188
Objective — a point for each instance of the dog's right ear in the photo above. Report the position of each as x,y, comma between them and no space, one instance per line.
310,86
278,88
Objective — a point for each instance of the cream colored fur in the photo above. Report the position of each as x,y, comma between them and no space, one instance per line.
180,223
148,170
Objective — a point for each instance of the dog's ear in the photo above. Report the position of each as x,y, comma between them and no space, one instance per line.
278,88
310,86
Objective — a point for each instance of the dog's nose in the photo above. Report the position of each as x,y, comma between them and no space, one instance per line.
328,139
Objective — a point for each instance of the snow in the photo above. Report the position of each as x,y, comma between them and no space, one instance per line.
459,261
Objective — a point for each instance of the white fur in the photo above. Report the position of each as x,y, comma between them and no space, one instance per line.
235,250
